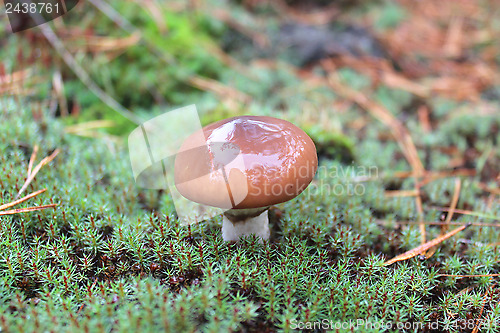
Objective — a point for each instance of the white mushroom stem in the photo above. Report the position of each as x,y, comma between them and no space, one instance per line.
245,222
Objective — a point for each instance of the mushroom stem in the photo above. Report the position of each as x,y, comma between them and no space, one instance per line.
244,222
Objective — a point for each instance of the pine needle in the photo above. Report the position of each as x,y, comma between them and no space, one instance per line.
478,320
32,160
29,196
397,128
90,125
32,175
424,247
444,227
429,175
28,209
454,201
467,212
401,193
492,225
468,276
379,112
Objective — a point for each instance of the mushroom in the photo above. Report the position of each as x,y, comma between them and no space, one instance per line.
244,165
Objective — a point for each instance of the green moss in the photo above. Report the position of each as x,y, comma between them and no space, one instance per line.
112,256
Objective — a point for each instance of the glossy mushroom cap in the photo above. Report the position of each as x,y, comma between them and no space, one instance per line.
245,162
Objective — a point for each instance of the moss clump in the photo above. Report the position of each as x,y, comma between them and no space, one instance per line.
112,256
331,144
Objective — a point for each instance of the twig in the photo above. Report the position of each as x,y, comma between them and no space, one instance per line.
424,247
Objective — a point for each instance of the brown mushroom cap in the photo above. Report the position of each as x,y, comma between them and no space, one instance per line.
245,162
